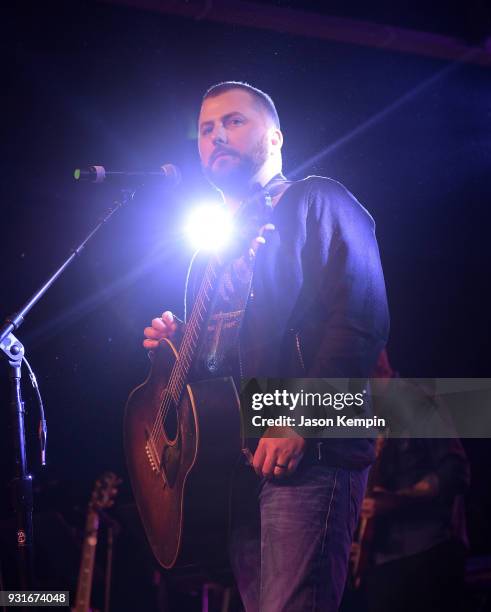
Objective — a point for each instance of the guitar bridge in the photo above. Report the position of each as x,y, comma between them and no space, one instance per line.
151,456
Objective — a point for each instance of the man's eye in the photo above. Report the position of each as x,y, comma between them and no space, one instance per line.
236,121
205,130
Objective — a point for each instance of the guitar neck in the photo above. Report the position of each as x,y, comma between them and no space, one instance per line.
374,475
194,329
84,586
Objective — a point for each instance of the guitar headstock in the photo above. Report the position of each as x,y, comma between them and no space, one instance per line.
105,490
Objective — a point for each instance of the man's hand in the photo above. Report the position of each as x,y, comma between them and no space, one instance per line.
425,489
381,502
162,327
280,455
370,508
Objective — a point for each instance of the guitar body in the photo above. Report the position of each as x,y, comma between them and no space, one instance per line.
181,461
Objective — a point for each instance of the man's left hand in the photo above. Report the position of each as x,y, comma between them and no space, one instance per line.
278,453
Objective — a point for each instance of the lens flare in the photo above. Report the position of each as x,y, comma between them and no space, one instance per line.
209,227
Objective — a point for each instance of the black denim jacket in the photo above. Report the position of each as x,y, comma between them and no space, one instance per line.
318,306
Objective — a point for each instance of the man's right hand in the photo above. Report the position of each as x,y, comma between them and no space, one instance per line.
162,327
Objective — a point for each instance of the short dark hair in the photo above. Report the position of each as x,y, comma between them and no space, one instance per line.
262,98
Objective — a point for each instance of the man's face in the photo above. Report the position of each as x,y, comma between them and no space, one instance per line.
234,139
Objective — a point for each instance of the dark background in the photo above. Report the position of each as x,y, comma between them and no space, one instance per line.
94,83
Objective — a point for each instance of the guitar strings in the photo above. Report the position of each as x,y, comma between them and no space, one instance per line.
173,384
181,368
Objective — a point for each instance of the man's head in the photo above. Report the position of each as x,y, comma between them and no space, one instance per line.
239,137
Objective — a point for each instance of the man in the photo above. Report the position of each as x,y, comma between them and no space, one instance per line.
420,539
317,308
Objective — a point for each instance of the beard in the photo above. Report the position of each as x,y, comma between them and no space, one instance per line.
235,178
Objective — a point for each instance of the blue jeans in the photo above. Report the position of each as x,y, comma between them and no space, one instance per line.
291,538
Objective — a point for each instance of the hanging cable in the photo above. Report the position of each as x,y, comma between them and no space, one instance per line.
42,429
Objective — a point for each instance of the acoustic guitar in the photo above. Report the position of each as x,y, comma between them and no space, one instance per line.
182,440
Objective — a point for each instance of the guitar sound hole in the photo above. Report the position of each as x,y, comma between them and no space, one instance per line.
171,423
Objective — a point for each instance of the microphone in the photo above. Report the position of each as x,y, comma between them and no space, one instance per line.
97,174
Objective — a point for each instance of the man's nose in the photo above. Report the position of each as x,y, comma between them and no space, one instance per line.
219,135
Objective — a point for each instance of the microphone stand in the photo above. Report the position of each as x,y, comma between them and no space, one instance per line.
13,350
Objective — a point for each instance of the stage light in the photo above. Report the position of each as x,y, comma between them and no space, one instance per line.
209,227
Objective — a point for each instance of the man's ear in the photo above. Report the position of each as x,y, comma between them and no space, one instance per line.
276,138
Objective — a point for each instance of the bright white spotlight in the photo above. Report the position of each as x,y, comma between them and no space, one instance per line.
209,227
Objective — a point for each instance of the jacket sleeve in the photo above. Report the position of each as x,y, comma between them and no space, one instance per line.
342,264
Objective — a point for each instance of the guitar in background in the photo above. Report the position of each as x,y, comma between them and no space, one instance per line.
105,490
361,550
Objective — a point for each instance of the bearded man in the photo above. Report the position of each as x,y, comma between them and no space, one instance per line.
317,308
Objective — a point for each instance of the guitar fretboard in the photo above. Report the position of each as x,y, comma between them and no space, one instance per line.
194,330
